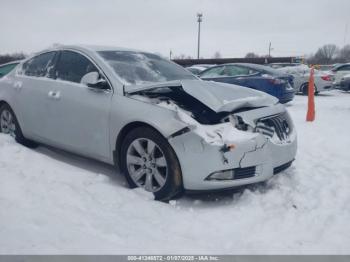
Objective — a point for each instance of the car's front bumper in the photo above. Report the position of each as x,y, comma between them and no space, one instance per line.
199,159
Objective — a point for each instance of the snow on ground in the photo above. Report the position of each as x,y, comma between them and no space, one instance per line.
53,202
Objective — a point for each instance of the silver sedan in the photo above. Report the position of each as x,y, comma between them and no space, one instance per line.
165,129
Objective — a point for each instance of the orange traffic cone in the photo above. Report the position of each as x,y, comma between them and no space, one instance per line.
311,97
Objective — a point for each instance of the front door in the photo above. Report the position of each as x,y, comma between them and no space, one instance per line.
79,115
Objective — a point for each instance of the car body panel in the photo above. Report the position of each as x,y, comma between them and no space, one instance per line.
345,83
220,97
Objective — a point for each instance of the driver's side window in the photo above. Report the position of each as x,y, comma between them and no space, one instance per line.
72,66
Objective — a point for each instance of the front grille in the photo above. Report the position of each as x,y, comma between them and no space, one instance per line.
280,124
245,172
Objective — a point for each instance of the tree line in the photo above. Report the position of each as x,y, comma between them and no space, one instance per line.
11,57
325,55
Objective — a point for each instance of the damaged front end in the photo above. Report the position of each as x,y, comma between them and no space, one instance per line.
225,143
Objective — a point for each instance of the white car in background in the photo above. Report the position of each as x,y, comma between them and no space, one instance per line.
323,80
340,71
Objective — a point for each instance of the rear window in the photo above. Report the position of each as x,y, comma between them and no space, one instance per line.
40,65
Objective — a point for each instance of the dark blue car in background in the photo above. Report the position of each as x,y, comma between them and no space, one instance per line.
254,76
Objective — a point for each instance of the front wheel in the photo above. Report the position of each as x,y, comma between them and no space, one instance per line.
148,161
9,125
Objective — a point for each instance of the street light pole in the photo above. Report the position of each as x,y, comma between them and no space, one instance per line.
199,20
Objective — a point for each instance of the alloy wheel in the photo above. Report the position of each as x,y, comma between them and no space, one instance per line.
146,164
7,123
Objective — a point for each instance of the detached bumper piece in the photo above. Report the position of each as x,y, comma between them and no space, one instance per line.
233,174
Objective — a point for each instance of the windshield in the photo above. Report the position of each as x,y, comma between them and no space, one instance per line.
136,68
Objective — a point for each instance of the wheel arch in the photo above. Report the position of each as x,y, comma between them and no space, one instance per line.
3,102
306,83
122,134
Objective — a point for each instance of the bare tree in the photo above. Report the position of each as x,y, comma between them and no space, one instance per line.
11,57
344,54
325,54
181,56
251,55
217,54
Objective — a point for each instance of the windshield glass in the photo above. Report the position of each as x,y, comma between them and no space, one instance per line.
136,68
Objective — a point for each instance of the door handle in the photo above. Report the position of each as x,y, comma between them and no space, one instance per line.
17,85
54,95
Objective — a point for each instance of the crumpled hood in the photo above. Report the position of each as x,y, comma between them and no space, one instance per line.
219,97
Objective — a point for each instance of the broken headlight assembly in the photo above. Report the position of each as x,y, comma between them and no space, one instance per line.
237,122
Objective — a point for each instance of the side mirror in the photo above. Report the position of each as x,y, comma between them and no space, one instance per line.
94,80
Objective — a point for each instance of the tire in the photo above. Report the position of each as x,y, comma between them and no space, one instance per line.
305,89
9,125
144,152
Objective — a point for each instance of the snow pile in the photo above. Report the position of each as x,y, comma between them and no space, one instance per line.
54,202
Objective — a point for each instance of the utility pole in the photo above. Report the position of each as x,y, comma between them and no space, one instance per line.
199,20
270,49
170,54
345,33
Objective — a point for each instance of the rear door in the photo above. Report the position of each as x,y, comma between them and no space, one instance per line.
78,115
32,84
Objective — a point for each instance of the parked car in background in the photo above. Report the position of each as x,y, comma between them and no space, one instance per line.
340,71
258,77
150,117
7,68
345,83
325,68
323,80
196,70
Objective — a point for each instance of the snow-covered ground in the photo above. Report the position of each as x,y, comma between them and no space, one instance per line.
54,202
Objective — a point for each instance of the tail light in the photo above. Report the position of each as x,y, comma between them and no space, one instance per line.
326,78
274,80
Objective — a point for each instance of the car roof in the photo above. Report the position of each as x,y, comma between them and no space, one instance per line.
94,48
262,68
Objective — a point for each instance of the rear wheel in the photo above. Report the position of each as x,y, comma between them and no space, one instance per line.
9,125
149,162
305,89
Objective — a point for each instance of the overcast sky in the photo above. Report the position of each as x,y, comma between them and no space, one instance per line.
233,27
